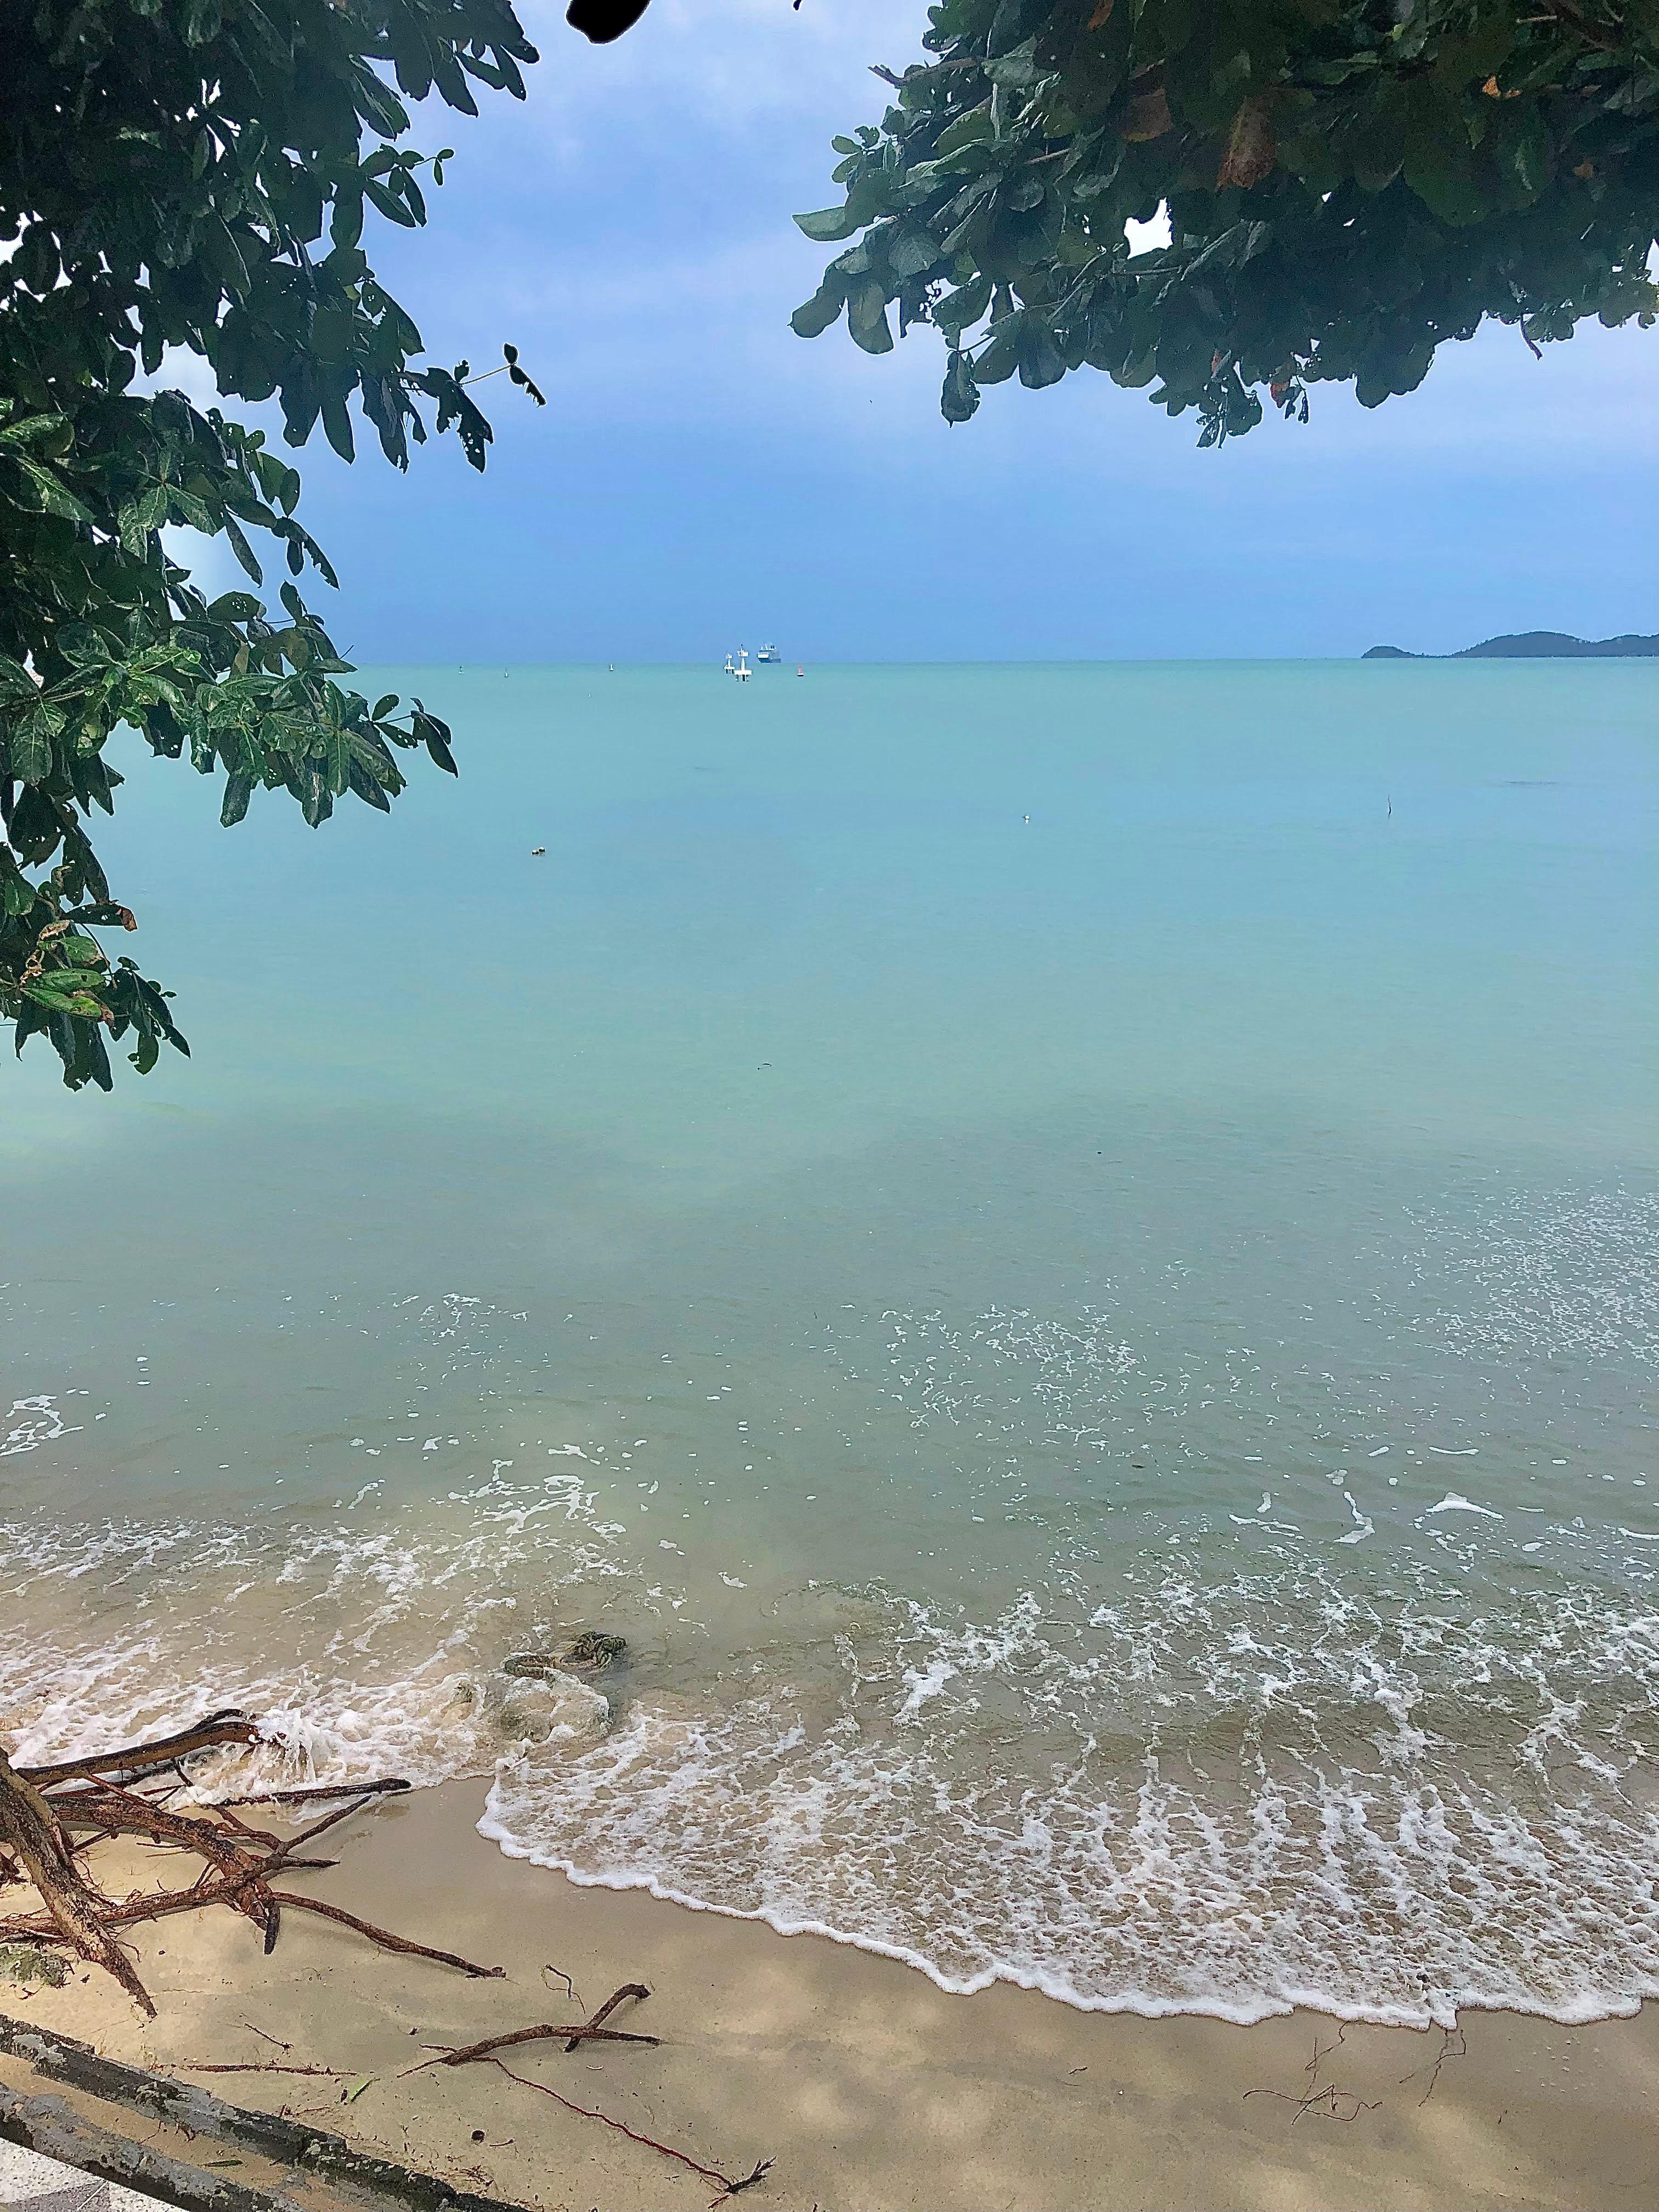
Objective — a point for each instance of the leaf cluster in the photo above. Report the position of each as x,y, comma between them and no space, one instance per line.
1348,183
195,176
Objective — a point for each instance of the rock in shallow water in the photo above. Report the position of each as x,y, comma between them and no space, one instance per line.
585,1654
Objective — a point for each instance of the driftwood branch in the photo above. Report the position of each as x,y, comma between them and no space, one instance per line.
78,1912
53,1817
586,2031
386,1941
392,1785
162,1906
227,1727
594,2030
41,1806
116,1811
595,2025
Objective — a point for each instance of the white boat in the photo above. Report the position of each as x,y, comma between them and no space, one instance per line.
768,653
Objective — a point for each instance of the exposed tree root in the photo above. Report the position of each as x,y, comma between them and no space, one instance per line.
53,1818
227,1727
44,1809
76,1912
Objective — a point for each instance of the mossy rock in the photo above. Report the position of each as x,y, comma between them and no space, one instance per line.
27,1962
585,1655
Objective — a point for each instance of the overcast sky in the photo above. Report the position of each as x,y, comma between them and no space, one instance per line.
702,476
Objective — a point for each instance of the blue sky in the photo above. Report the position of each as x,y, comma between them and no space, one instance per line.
702,476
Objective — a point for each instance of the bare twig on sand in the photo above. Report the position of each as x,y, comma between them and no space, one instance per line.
1453,2045
1326,2097
573,2035
254,2066
726,2185
594,2030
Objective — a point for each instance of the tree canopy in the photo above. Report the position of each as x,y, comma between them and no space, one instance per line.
1348,183
194,175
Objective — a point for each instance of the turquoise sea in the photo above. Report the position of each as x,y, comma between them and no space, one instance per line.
1071,1254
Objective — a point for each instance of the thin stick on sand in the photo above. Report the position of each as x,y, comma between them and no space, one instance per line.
573,2034
727,2186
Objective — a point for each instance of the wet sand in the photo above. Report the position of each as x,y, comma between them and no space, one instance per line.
870,2088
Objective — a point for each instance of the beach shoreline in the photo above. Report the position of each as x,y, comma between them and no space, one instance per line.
867,2085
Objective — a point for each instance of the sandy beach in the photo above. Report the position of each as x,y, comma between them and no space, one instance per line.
870,2088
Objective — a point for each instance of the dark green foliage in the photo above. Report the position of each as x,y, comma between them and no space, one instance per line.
1348,185
193,174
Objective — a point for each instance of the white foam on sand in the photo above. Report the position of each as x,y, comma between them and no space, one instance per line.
1336,1852
1229,1797
1342,1765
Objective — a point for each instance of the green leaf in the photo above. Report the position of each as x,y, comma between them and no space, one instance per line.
191,510
867,316
234,607
199,22
1041,361
965,306
52,496
242,550
911,248
1528,159
15,682
828,225
969,130
814,316
959,401
34,430
81,643
30,742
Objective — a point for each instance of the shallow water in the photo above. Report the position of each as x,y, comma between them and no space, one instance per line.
1069,1253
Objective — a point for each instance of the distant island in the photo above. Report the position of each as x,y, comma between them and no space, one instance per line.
1533,645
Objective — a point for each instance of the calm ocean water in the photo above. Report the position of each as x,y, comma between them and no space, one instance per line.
1069,1253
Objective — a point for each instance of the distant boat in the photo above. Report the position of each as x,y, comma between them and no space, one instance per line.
768,653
